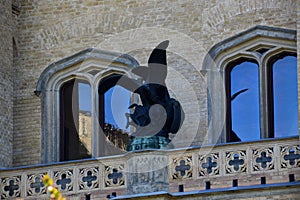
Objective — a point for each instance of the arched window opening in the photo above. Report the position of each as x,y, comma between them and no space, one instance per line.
114,101
75,120
243,116
285,97
260,97
70,106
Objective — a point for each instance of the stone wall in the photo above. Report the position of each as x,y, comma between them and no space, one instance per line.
50,30
6,84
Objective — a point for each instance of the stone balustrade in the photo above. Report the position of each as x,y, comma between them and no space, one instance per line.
221,166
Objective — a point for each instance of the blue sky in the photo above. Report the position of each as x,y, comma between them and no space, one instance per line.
117,101
285,96
245,108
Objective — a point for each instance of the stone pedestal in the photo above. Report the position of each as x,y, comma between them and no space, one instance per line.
147,172
152,142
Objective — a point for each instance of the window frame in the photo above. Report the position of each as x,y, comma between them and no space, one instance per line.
229,66
62,133
268,61
109,81
245,44
83,66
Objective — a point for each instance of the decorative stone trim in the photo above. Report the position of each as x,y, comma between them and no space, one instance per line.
89,178
34,184
289,156
256,31
209,165
64,180
113,175
236,162
263,159
10,187
181,167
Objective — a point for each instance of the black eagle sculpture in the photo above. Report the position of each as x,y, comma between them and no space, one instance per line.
159,114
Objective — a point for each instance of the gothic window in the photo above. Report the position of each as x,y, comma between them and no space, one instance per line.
283,81
243,101
80,118
252,83
112,114
75,120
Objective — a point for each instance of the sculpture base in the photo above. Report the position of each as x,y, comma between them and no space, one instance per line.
147,172
152,142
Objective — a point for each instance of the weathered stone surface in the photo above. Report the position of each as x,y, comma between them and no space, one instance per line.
147,172
6,84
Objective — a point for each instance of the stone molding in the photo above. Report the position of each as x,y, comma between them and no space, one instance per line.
90,53
245,36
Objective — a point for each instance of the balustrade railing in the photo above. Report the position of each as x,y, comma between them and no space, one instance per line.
268,161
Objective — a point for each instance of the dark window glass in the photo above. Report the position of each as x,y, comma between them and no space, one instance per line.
75,116
285,99
244,102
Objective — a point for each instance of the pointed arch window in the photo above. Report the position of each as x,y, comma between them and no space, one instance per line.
76,92
246,97
252,82
243,101
75,120
284,105
114,101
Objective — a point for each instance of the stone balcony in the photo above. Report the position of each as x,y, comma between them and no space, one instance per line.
192,169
